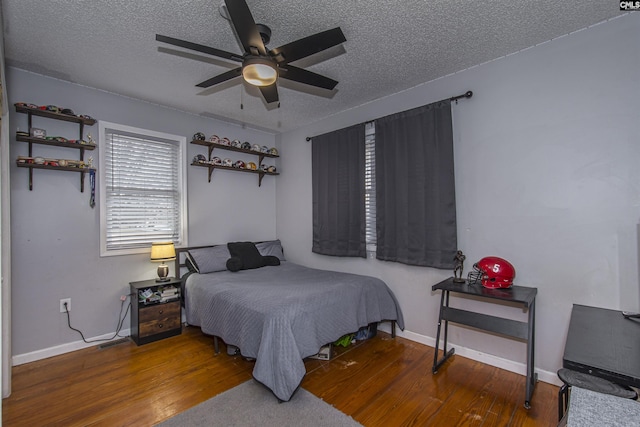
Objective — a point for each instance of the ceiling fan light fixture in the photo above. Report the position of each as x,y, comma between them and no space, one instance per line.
259,72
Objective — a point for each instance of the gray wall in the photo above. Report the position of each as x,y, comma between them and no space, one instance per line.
55,234
547,176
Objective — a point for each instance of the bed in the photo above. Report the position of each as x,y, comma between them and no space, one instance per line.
279,314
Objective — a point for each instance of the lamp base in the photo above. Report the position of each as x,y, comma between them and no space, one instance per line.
163,272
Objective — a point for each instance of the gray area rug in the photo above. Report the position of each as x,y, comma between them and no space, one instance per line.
591,409
252,404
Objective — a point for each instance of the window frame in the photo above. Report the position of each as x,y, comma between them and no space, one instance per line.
178,140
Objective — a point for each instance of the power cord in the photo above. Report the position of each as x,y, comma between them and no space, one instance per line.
119,327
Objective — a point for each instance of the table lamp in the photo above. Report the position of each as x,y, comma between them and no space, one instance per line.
161,252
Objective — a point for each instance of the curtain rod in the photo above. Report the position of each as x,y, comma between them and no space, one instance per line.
467,94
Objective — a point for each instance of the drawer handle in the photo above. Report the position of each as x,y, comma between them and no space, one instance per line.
161,311
160,325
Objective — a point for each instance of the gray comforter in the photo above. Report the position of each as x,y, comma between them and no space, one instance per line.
280,315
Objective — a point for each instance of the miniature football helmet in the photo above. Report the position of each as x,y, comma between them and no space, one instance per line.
225,141
227,162
273,150
199,158
246,146
216,161
238,164
198,136
236,143
215,139
256,147
252,166
264,149
271,169
492,272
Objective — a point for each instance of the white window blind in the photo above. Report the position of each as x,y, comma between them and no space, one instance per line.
142,189
370,185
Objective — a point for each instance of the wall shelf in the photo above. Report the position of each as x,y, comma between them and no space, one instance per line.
42,141
32,166
260,173
80,121
211,146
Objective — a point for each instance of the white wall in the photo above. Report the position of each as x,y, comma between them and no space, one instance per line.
55,234
546,156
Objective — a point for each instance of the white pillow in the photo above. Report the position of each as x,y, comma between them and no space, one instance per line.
210,259
271,247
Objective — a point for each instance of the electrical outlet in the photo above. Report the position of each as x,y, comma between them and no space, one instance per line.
62,303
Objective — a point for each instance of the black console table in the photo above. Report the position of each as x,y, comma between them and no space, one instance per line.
601,342
512,328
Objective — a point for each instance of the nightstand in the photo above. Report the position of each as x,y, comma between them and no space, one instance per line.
156,310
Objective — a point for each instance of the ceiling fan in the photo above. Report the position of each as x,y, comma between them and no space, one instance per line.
261,67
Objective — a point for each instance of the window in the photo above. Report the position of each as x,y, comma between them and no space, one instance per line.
142,189
393,194
370,185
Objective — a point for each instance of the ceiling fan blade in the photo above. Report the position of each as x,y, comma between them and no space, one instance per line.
199,48
270,93
308,46
220,78
245,27
301,75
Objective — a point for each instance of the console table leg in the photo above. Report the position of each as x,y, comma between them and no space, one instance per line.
446,354
531,375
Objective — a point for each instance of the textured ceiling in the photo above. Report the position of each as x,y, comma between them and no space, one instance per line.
391,46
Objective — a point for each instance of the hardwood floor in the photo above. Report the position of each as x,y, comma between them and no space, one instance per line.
379,382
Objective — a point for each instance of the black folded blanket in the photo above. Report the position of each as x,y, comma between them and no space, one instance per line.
245,256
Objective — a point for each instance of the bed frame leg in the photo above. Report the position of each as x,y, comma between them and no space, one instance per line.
216,346
393,329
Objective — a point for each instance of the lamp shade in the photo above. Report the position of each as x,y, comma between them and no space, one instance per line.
162,251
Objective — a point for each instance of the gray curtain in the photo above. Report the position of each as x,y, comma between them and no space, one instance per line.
416,209
338,193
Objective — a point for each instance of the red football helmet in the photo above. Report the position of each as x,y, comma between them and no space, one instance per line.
493,272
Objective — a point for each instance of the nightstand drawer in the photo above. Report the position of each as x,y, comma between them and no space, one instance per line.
159,318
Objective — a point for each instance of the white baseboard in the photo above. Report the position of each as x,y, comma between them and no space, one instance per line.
489,359
21,359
